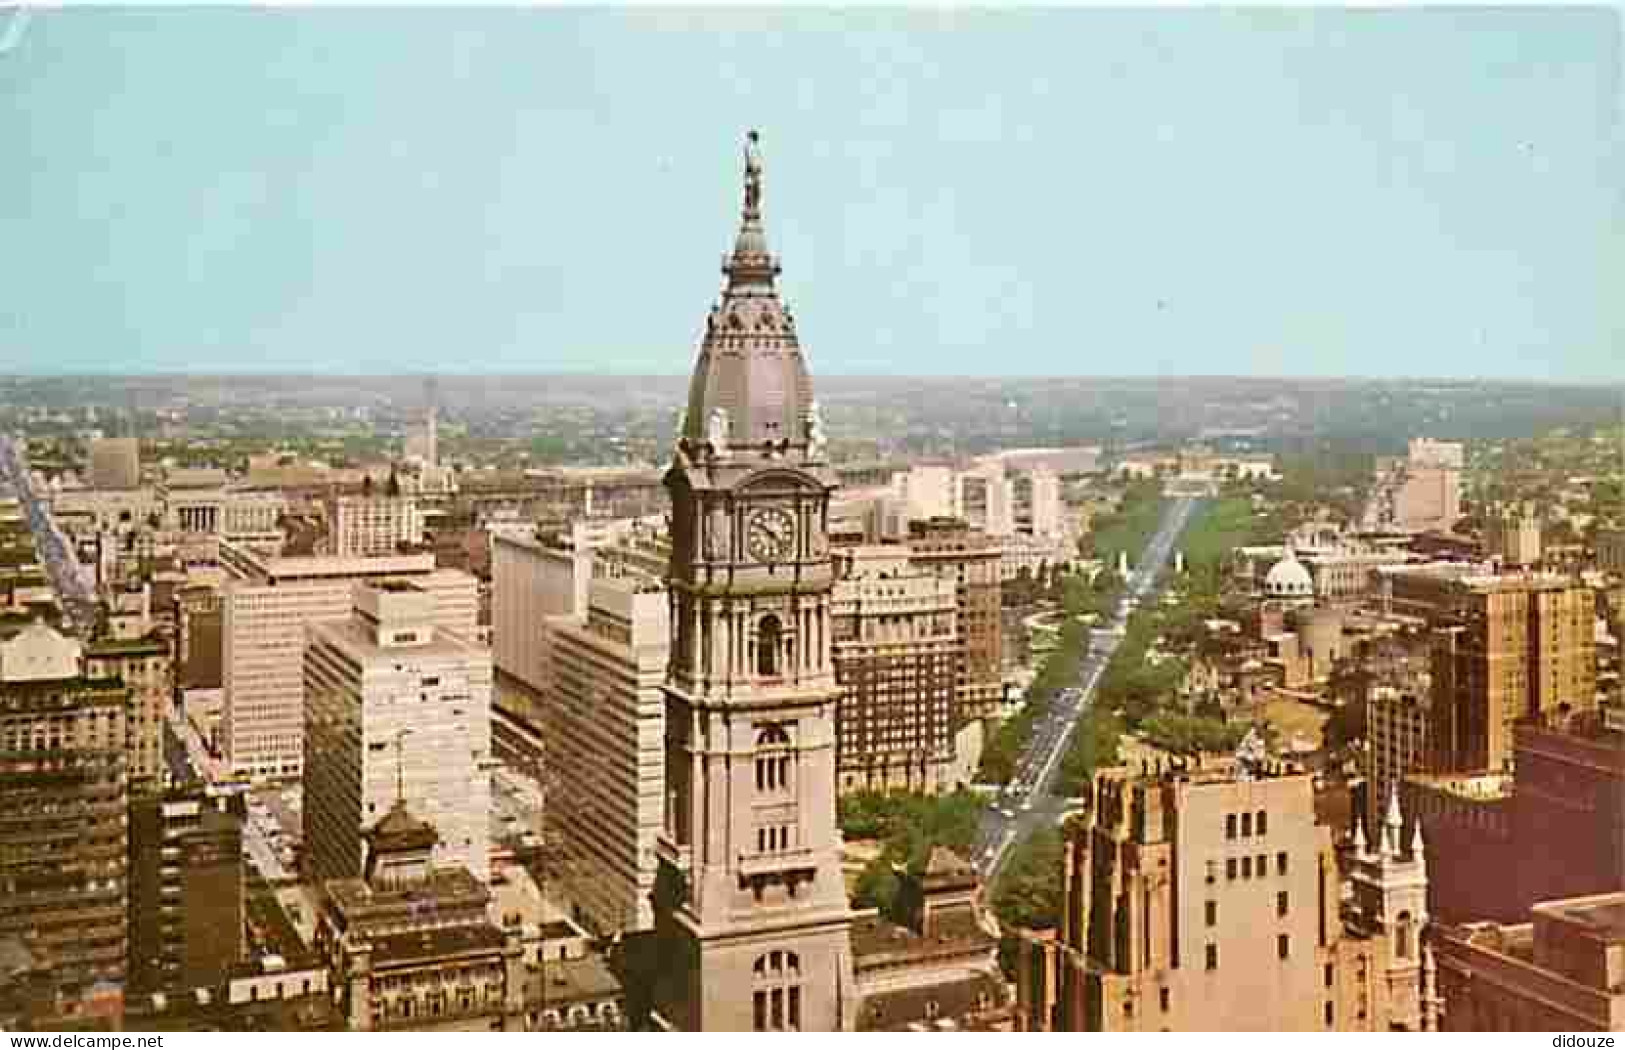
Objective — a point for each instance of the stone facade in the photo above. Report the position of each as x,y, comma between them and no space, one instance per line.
752,921
1207,899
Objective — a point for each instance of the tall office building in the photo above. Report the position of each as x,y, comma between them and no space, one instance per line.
1427,452
897,650
265,609
186,890
63,836
1611,551
423,437
1512,534
1514,647
985,498
147,670
751,914
369,526
1398,718
115,463
1426,492
1210,899
397,708
532,580
1038,494
929,490
604,727
950,550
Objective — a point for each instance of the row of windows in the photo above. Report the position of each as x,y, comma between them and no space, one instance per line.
773,839
1247,867
1282,906
1249,824
777,1010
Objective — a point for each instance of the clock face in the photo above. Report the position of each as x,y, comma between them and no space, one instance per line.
771,536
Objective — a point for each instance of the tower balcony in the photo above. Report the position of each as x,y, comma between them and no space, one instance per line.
753,864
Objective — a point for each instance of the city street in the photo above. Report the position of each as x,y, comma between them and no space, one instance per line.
68,579
1027,803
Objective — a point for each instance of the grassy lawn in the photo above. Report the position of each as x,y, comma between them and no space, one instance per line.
1129,527
1219,527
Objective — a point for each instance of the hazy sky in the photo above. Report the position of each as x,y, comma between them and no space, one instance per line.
1366,192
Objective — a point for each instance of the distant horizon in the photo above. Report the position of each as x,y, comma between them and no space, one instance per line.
1578,381
1301,191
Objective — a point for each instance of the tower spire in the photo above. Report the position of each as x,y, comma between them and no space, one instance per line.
1394,823
751,265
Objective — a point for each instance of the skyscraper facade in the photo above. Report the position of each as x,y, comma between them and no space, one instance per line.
1513,647
1211,899
396,708
63,842
265,610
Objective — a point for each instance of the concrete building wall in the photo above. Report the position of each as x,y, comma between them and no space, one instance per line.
1429,498
263,650
531,582
931,492
605,734
366,526
388,720
115,463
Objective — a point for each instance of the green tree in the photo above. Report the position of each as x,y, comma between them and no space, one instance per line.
1028,891
877,887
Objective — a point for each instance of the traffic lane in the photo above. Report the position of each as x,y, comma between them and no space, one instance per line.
1037,793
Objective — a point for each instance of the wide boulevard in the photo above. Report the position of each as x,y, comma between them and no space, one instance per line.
1027,803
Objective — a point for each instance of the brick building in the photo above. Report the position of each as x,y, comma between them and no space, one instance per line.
1562,971
897,652
1500,843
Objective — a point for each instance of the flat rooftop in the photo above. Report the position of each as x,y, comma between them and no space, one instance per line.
1605,915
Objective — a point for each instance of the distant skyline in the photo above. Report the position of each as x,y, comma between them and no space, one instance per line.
1298,192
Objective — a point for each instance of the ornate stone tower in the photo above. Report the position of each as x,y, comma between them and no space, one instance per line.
752,920
1390,893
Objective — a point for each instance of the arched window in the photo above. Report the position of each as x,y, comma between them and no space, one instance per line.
773,759
1404,930
776,997
769,637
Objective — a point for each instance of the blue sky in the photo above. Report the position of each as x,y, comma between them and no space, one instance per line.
1077,191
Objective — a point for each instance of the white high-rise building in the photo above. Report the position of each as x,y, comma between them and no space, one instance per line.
1042,506
931,492
532,581
397,709
986,498
604,724
265,609
365,526
1444,455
